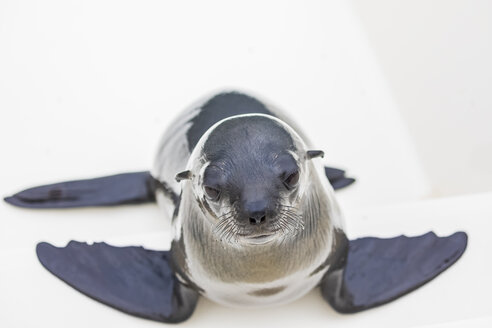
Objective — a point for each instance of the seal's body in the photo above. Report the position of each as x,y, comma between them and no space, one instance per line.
253,152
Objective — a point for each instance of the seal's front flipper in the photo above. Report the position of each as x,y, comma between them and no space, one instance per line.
337,178
380,270
126,188
131,279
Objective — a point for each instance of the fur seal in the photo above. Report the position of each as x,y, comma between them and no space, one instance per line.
255,222
250,195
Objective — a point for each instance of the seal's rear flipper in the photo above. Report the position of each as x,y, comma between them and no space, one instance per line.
126,188
381,270
134,280
337,178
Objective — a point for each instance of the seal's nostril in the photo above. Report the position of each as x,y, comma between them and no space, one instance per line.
257,220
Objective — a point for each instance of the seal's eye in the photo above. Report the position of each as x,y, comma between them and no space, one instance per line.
292,180
212,193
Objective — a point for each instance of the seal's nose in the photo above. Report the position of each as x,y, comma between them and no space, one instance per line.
256,211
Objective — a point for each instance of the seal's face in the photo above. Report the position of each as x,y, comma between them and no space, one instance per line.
248,180
256,204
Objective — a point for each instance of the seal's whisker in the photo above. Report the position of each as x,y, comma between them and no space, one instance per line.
290,210
226,214
227,229
277,226
231,233
294,213
234,235
286,224
291,222
283,207
222,228
295,219
223,219
222,225
286,206
291,217
228,233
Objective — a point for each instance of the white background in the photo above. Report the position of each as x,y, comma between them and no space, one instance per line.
398,94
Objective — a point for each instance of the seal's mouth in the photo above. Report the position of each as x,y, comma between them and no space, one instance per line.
260,239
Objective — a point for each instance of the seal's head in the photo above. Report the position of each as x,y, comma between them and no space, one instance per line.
249,174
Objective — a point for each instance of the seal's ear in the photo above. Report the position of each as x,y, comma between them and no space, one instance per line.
185,175
315,153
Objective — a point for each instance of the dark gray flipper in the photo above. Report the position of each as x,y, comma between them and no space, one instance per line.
380,270
126,188
134,280
337,178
